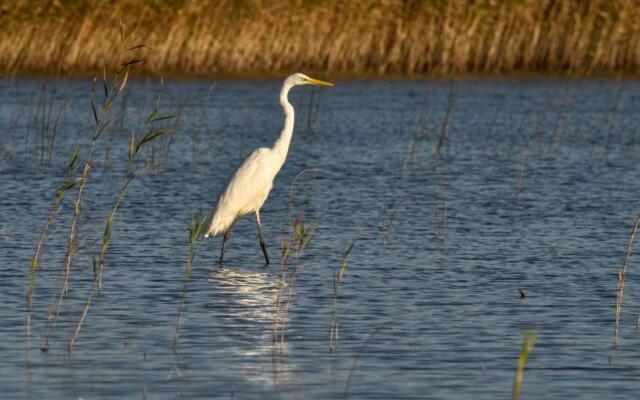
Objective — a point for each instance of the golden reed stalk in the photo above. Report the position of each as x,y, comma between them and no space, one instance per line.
350,38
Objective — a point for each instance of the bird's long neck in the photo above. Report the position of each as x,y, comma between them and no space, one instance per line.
281,146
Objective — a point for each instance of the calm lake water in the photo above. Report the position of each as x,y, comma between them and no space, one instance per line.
535,186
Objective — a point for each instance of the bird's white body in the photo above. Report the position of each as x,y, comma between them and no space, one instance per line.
247,190
249,187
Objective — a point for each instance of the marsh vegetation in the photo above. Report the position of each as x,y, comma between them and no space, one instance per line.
363,38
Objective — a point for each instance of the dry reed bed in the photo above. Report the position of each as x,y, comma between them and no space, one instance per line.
377,37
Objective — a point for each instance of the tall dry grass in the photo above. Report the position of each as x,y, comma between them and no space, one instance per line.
374,37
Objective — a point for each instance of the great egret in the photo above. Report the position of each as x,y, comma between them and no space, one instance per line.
249,187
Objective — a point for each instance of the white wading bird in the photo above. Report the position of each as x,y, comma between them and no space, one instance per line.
251,184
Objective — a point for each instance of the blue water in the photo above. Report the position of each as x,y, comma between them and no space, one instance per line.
538,179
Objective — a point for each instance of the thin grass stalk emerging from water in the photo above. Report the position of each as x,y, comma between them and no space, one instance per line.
388,225
444,128
372,335
197,225
337,280
71,241
420,133
295,179
294,244
291,284
134,148
520,176
103,123
97,267
52,318
610,121
67,185
528,343
446,220
440,225
56,126
291,245
285,253
621,276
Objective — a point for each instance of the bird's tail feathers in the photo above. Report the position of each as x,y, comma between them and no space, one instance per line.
219,224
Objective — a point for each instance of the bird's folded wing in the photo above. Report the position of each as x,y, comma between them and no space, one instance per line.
251,182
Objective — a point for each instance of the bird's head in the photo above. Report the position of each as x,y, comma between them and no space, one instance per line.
301,79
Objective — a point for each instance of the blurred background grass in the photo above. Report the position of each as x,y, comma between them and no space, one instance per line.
336,37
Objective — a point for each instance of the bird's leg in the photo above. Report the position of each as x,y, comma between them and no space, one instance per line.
264,246
227,236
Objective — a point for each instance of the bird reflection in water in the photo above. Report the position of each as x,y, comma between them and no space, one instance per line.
247,300
251,293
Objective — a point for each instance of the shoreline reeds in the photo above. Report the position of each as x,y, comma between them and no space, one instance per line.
354,39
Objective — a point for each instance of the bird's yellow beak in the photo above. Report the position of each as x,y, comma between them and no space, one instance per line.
319,82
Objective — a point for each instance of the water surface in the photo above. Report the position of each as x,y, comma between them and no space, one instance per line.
538,180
